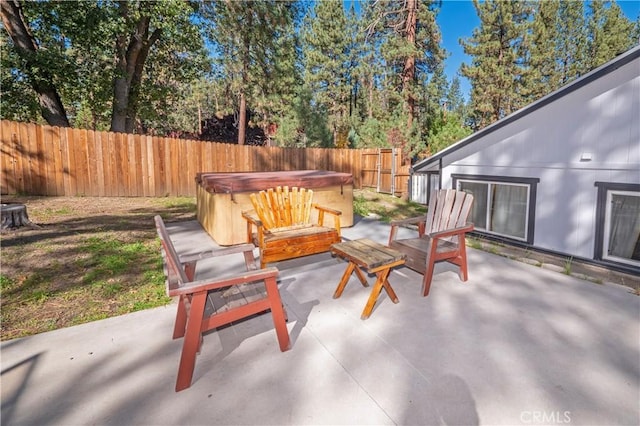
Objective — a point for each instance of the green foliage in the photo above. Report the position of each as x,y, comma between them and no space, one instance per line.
318,71
255,49
18,101
108,257
497,69
326,50
76,46
305,125
360,206
610,33
372,134
6,282
446,130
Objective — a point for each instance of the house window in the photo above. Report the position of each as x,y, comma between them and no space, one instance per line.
617,236
621,239
501,206
433,185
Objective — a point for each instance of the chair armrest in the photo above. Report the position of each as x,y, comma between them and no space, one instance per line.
336,216
206,285
327,209
252,217
451,232
419,220
241,248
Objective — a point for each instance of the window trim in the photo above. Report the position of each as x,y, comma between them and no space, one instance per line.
532,184
601,226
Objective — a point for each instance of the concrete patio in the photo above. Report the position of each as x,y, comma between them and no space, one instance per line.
516,344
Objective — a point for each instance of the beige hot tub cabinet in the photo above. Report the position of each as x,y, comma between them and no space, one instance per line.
222,197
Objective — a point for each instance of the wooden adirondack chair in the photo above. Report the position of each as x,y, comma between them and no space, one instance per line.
441,235
210,303
283,228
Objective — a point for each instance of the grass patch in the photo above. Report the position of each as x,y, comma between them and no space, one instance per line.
385,207
566,268
182,203
83,267
108,277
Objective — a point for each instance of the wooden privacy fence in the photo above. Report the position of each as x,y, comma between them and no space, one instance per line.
46,160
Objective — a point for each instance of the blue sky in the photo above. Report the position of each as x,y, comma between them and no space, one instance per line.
457,19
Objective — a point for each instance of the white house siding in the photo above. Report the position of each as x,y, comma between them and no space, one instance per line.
600,120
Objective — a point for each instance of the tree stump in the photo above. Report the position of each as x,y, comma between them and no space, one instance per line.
14,216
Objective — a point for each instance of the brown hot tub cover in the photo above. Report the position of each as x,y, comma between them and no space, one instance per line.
229,183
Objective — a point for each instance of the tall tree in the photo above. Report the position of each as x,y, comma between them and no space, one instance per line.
610,33
326,46
455,99
246,36
497,66
96,54
571,47
140,26
545,33
411,48
34,63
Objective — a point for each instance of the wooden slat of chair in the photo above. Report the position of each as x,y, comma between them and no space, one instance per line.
296,206
286,201
307,199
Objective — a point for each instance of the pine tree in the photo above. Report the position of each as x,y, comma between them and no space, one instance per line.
497,70
455,99
545,33
246,35
326,61
610,33
409,42
571,47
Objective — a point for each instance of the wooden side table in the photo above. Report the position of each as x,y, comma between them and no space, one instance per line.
375,258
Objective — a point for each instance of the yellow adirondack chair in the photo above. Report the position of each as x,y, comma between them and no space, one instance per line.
281,228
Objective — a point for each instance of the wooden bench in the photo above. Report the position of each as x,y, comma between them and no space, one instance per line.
209,303
283,230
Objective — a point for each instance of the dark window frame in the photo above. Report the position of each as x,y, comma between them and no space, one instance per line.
603,189
531,212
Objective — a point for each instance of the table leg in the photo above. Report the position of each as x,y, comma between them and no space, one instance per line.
381,282
361,277
388,288
344,280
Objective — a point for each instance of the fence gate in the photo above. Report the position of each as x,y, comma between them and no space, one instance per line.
382,169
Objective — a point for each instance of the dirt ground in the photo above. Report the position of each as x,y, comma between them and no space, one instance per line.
56,272
62,221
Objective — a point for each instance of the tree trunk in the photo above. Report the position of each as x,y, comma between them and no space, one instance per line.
41,81
242,119
132,52
409,71
14,216
242,125
370,88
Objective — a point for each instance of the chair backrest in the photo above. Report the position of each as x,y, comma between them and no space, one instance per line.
448,209
280,207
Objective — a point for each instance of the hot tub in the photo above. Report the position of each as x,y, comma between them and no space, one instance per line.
222,197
